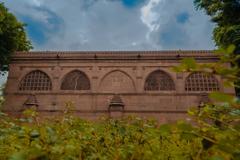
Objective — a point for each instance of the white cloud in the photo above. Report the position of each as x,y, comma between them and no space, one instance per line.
104,25
109,25
165,32
148,16
36,2
29,8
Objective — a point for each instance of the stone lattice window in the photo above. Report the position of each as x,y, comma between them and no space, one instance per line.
36,81
201,82
159,81
75,80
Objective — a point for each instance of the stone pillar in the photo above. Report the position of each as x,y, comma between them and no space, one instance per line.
116,107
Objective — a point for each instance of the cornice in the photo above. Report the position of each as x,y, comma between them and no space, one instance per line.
113,55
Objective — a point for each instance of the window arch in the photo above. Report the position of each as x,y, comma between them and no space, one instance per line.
159,81
117,81
75,80
199,81
36,81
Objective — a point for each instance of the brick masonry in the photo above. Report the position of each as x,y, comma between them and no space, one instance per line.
112,72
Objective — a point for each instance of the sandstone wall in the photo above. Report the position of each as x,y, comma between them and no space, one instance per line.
120,73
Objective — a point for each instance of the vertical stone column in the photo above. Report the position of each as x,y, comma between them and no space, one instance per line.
56,81
56,86
139,79
180,89
94,86
180,83
94,79
14,75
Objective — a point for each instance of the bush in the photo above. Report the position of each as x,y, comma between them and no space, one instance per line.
69,137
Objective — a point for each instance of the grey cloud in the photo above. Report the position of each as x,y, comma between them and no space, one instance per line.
195,33
103,26
109,25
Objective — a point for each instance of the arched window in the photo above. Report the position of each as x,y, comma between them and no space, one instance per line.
201,82
75,80
159,81
36,81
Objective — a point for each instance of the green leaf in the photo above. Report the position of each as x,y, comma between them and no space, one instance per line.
222,97
236,155
184,126
192,112
230,49
177,69
165,129
18,156
228,83
216,158
188,136
189,63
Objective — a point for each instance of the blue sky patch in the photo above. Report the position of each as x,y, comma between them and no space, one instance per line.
183,17
173,35
34,29
88,3
132,3
38,30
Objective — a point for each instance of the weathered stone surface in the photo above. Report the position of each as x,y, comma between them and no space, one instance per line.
109,73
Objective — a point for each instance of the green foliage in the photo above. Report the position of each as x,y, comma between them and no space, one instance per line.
226,15
218,122
68,137
187,65
12,37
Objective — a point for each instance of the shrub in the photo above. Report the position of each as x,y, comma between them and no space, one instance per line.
69,137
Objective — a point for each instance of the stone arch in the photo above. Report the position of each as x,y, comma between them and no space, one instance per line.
117,81
199,81
35,80
159,80
75,80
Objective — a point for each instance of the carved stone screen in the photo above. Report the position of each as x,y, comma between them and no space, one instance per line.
201,82
75,80
36,81
117,82
159,81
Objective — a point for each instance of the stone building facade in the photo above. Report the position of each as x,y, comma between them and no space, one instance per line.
101,83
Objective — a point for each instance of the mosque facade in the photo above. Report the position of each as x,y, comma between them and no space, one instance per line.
109,83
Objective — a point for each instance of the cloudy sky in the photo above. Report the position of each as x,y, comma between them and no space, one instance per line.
113,24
